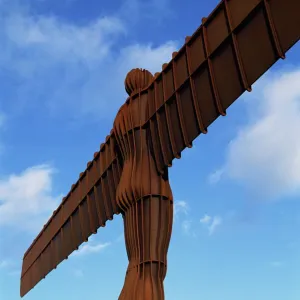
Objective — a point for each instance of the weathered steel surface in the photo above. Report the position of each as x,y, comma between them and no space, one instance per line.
233,47
89,204
144,196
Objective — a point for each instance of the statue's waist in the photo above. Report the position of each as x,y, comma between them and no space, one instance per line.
141,180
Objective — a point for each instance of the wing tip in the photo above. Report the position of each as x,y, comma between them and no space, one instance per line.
23,292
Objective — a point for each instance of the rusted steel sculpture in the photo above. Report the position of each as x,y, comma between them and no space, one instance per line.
233,47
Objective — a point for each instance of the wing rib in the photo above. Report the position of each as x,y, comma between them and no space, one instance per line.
232,48
89,204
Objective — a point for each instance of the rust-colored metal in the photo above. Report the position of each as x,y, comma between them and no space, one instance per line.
233,47
146,201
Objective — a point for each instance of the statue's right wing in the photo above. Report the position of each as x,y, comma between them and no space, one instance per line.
234,46
89,204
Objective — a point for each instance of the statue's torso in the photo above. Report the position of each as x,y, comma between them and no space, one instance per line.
139,176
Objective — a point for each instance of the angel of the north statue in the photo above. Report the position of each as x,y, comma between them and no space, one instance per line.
237,43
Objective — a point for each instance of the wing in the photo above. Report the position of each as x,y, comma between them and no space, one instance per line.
89,204
232,48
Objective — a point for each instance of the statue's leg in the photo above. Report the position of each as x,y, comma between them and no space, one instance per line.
148,228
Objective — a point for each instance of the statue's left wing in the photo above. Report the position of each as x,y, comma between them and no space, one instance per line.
89,204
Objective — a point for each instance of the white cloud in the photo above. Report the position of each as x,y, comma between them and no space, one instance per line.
187,228
216,222
265,154
215,176
88,249
75,70
27,199
147,56
211,223
205,219
180,207
62,41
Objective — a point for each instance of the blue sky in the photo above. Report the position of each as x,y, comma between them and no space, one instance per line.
237,209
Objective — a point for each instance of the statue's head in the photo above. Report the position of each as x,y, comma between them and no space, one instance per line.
137,79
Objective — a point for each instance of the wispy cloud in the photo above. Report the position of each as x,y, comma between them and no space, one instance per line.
180,207
88,249
75,70
27,198
205,219
216,176
216,222
40,33
188,228
211,223
265,154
